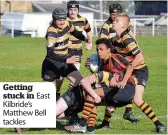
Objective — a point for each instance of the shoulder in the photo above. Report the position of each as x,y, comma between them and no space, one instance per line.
82,19
68,19
51,32
127,39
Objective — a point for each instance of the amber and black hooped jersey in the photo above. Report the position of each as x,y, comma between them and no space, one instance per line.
59,38
81,23
102,77
107,30
116,63
127,46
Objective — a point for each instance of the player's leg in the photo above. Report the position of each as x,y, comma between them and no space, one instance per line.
81,125
142,77
61,106
117,98
128,115
87,109
58,84
74,118
48,72
146,109
62,115
92,121
108,114
106,121
74,77
18,130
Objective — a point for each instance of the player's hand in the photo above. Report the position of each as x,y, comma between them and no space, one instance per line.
97,99
73,60
87,63
113,82
121,84
69,42
88,40
117,76
88,46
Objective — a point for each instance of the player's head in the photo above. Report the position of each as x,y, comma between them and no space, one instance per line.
121,23
59,16
103,48
115,9
73,9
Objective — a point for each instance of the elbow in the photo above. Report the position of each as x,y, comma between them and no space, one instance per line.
131,67
138,60
141,58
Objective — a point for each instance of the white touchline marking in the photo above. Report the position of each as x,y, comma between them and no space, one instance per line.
18,68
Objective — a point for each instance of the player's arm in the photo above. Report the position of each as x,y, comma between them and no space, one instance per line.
51,40
87,29
87,85
138,60
77,33
124,65
96,78
104,32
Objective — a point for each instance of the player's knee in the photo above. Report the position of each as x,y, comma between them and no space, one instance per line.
75,77
48,78
138,101
110,108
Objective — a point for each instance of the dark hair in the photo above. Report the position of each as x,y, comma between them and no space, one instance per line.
115,8
59,13
73,4
104,41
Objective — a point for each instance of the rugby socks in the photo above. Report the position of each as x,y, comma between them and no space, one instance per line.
88,106
92,120
70,85
107,116
59,83
149,113
128,108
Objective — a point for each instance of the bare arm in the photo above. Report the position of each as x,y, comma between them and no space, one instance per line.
89,37
86,83
127,75
137,60
77,34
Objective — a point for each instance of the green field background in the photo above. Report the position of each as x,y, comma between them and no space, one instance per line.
21,59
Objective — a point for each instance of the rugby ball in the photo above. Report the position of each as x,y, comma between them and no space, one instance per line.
94,63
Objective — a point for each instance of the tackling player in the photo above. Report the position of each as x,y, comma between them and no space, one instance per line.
58,62
127,46
107,31
75,45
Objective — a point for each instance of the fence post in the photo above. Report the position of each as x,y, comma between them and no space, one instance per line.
153,27
95,24
135,27
12,30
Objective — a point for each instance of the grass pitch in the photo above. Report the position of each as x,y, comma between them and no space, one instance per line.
21,59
